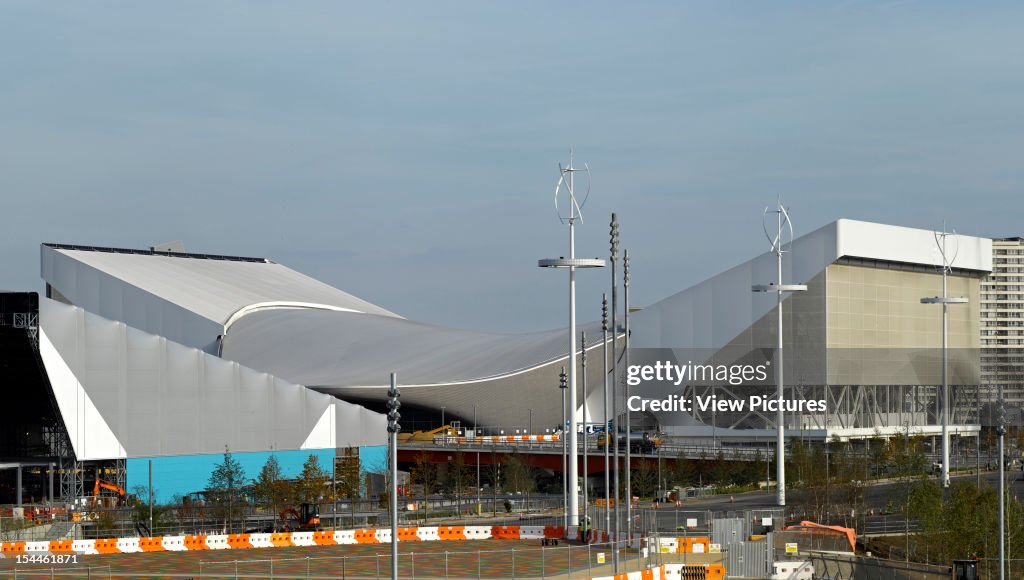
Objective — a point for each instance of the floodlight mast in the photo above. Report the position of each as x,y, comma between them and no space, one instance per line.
778,248
566,186
945,300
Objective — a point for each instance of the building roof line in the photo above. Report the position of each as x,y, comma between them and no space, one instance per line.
110,250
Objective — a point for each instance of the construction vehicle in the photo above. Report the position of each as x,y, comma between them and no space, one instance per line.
122,496
432,435
305,519
639,441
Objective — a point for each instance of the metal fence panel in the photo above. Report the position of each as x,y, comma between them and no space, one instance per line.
729,530
747,559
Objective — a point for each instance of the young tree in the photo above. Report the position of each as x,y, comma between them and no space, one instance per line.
223,490
519,476
271,489
140,508
458,477
313,483
424,474
644,478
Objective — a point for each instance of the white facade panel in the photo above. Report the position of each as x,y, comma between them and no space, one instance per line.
126,393
909,245
715,311
186,299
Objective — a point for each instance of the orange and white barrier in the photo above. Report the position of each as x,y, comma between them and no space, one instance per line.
685,571
657,573
285,539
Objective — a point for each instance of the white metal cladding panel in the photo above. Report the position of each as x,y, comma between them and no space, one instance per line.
359,426
909,245
126,393
127,287
713,312
111,297
90,434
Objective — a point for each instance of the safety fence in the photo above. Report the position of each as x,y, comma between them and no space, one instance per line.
552,562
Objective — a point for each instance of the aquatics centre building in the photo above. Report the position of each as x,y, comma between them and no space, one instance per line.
159,355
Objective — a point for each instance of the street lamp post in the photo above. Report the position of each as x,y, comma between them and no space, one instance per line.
476,444
393,429
1001,430
563,385
607,430
613,438
778,288
945,300
629,428
567,181
583,364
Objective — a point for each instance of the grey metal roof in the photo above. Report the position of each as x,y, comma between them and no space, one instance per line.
342,349
214,287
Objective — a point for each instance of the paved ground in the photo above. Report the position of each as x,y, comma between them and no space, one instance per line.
488,558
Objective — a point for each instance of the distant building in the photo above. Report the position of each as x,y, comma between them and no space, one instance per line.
1002,329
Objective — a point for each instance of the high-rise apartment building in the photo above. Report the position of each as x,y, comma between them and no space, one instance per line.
1002,325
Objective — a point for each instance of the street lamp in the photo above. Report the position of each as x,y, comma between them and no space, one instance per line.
567,181
393,429
564,386
613,438
945,300
607,430
777,287
586,498
1001,430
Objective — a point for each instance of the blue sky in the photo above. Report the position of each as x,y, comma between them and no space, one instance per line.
407,151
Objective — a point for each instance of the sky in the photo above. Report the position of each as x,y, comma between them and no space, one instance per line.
407,152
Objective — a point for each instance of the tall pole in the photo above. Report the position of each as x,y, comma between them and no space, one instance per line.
393,429
150,497
629,428
945,378
780,427
607,430
778,288
565,455
476,444
574,502
614,439
567,180
583,362
945,300
1001,429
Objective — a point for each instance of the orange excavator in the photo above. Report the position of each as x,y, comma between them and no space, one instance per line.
307,520
100,484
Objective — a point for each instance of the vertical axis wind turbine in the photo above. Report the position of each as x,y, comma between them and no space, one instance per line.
945,300
569,212
778,243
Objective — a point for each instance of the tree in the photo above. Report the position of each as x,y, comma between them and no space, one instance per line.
271,489
223,490
348,470
458,477
518,475
424,474
140,509
682,473
644,479
313,483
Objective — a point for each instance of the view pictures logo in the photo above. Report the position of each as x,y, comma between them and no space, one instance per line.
666,371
